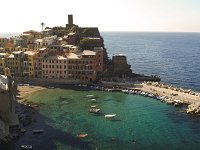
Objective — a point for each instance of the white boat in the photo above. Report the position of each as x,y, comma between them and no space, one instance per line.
38,131
110,115
94,110
90,95
93,100
93,106
26,147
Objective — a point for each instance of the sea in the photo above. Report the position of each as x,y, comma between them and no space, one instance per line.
141,123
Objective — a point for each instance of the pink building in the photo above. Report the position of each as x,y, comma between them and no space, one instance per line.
82,66
99,59
54,67
43,52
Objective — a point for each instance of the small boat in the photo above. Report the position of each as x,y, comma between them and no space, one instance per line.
94,110
38,131
82,135
26,147
110,115
93,106
93,100
90,95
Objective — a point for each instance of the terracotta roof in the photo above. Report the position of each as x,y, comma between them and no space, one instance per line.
9,45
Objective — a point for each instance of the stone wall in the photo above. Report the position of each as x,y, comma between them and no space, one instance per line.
120,66
8,117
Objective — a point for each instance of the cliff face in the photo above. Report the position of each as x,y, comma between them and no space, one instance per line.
8,117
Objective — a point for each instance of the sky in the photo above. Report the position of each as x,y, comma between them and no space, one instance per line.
108,15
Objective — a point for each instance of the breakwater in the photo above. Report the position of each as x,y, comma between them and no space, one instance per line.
160,91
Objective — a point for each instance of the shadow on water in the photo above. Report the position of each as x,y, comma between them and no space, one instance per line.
115,120
47,139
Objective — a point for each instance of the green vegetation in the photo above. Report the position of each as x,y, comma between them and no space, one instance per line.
89,44
61,31
89,32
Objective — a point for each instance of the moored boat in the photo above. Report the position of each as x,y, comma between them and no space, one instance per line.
110,115
38,131
94,110
82,135
93,106
26,147
90,96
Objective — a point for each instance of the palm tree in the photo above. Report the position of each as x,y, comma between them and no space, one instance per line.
42,24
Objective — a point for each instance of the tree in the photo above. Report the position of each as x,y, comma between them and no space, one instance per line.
42,24
89,44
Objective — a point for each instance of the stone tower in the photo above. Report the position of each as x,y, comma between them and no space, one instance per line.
70,20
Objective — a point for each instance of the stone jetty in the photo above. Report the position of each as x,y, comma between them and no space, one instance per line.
161,91
173,95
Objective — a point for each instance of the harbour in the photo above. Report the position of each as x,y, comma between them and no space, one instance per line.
134,115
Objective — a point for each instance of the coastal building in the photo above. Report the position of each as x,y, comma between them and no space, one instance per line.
54,67
70,48
28,64
47,32
15,63
72,53
37,60
31,57
82,66
100,53
45,42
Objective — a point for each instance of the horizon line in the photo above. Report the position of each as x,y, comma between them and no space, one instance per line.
118,31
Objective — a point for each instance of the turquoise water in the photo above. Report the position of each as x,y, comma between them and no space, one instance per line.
141,122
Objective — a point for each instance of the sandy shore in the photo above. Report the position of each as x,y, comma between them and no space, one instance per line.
24,91
172,93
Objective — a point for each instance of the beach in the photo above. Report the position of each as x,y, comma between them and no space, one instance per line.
25,90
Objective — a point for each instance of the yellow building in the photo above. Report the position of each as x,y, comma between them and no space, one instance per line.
29,58
15,63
